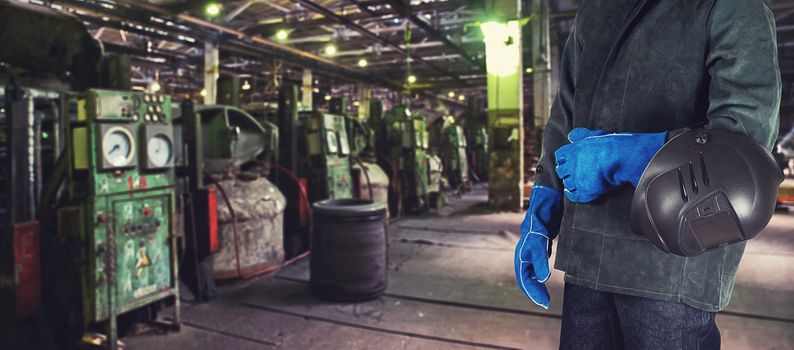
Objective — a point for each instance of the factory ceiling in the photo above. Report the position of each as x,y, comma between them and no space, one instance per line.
375,41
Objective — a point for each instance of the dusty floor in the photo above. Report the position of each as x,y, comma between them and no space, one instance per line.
451,286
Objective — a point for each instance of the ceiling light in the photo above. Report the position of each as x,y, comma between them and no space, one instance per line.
154,87
362,63
330,50
203,92
282,35
246,85
528,70
316,90
212,9
327,97
461,98
411,79
451,94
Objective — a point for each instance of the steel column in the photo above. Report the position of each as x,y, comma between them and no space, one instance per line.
211,72
505,106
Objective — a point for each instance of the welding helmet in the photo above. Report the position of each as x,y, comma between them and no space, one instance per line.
704,189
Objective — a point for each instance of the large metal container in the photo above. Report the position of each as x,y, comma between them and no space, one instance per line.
372,176
348,250
256,244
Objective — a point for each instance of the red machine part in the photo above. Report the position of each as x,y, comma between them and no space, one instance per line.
212,217
304,204
27,269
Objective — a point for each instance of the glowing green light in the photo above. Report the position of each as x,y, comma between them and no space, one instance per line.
282,35
362,63
411,79
501,52
45,135
330,50
212,9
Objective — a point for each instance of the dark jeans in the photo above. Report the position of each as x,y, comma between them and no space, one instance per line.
599,320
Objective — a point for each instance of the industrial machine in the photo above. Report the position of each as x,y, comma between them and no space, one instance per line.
328,149
473,121
369,180
402,139
453,154
237,151
478,149
29,146
313,161
117,224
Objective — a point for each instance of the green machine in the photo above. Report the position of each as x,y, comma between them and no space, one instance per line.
328,164
118,223
403,138
453,154
479,153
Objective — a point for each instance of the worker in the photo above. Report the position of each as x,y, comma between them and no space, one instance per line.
634,74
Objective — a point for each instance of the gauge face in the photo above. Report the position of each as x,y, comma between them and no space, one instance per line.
343,145
159,150
117,146
331,139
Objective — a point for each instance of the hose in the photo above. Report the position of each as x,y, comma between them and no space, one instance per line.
366,175
301,190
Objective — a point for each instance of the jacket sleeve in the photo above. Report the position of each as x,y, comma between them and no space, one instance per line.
745,88
560,121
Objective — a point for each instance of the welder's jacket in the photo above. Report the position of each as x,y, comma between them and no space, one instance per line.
650,66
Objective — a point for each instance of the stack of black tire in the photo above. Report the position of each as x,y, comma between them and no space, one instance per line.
349,250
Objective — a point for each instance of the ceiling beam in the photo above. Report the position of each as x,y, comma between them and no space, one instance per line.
405,9
367,33
229,38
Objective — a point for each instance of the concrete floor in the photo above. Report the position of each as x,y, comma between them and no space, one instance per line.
451,286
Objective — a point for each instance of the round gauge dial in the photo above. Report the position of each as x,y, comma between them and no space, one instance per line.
117,146
331,140
159,150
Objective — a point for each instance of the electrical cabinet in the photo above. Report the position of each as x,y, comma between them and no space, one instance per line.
329,155
119,223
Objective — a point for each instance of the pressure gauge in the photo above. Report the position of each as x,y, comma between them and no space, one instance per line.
117,147
158,146
159,150
331,140
343,145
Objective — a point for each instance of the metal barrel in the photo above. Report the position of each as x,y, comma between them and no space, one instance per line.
348,250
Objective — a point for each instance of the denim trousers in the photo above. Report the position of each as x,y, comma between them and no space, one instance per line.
593,319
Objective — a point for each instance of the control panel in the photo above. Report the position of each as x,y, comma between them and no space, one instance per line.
121,201
329,152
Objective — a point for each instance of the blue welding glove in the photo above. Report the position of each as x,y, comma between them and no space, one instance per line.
596,161
541,224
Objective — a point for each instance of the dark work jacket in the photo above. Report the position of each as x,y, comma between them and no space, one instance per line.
650,66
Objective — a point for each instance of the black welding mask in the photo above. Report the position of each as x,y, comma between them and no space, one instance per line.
705,189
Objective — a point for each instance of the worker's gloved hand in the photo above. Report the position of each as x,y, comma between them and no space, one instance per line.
541,224
596,161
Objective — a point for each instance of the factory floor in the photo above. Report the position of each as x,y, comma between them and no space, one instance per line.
451,286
